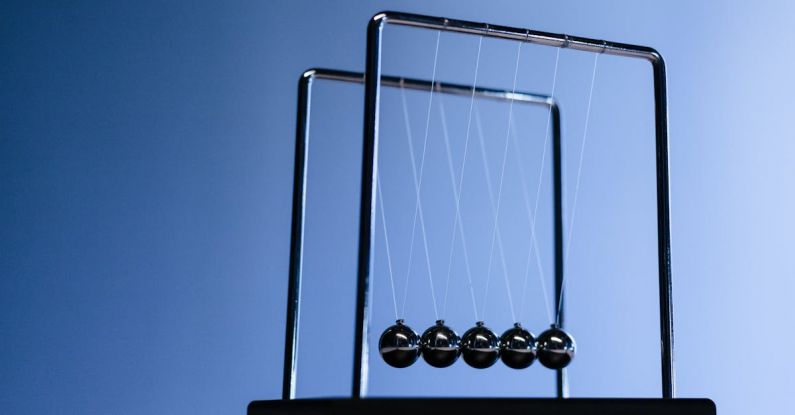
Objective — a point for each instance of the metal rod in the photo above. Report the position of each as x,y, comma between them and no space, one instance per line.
371,104
296,237
664,232
513,33
561,384
366,215
425,86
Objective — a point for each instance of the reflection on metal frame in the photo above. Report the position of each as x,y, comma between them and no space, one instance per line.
299,189
370,149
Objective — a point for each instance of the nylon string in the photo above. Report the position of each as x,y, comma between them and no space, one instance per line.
386,244
458,190
459,218
499,200
418,184
534,212
577,186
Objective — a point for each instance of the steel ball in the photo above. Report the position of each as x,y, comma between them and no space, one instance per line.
480,346
556,348
517,347
440,345
399,345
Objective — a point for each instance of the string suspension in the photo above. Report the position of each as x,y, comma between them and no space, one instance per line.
440,345
382,207
458,224
489,185
418,212
533,214
399,345
570,232
457,192
499,198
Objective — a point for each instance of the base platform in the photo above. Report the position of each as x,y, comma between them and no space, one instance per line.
483,406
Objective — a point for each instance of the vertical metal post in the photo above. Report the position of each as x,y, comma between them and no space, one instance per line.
562,386
296,237
663,228
366,214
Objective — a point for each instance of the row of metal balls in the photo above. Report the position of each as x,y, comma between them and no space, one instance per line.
440,346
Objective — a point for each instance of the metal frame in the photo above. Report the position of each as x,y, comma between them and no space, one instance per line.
369,164
299,192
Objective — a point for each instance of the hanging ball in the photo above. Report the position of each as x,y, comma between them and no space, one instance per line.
440,345
399,345
517,347
480,346
556,348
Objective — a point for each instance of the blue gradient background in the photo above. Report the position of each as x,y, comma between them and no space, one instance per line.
145,172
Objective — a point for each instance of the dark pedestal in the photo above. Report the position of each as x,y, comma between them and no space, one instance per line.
484,406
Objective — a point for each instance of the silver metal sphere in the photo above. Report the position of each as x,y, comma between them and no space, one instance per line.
440,345
517,347
480,346
399,345
556,348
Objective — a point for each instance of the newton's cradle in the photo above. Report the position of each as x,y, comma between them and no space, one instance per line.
440,346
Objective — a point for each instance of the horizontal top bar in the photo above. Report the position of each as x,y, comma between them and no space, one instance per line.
513,33
444,87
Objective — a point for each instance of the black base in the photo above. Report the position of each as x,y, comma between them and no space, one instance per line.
480,406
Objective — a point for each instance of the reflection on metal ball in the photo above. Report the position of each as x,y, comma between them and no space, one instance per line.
480,346
440,345
517,347
399,345
556,348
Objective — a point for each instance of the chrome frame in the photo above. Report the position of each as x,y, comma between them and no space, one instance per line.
299,191
369,166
